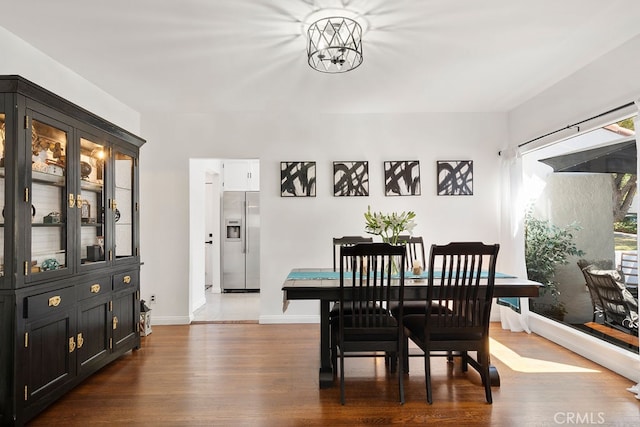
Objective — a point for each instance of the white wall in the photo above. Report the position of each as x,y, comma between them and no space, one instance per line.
20,58
297,232
607,83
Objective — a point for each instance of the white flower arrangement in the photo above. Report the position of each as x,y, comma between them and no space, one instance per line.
389,226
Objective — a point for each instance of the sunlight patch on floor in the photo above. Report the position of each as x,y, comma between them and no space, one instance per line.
528,365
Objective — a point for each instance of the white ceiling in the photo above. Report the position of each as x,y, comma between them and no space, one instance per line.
249,55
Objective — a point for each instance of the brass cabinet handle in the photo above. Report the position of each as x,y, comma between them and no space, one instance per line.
79,201
55,301
95,288
72,345
72,202
80,340
126,279
115,322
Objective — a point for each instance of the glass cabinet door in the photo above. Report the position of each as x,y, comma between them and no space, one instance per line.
124,205
49,198
2,185
91,201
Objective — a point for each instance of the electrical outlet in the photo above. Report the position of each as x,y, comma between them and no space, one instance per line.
152,298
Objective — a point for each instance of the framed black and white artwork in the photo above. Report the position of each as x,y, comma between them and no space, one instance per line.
402,178
298,179
455,177
351,178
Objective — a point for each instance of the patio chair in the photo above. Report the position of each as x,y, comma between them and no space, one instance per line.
629,268
596,304
619,307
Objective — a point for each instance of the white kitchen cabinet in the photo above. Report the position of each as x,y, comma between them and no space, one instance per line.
241,175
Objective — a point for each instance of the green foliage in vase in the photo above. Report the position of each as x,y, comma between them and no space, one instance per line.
389,226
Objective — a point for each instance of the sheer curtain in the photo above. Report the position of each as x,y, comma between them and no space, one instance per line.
636,123
512,235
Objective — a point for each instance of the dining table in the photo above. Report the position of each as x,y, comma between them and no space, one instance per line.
323,284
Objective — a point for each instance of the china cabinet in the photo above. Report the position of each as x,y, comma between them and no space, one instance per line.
69,257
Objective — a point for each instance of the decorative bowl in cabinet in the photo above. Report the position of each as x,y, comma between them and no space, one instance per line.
85,170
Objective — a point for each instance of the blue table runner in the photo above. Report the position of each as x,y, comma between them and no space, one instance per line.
335,275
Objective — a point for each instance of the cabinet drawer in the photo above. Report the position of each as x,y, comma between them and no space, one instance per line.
127,280
94,288
49,302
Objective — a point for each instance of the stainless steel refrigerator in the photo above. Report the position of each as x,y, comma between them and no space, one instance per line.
241,241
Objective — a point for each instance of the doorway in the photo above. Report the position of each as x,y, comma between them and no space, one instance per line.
211,220
207,301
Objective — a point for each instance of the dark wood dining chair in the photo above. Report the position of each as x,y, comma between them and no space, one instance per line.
415,250
367,285
338,242
461,278
346,241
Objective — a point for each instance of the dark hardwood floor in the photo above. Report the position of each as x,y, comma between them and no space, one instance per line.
267,375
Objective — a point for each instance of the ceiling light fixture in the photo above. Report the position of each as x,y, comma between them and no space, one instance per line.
334,44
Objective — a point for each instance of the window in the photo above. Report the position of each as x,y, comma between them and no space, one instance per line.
583,189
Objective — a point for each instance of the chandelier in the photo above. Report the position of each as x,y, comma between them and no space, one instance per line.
334,45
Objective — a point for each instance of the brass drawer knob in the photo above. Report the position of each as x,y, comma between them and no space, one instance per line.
55,301
95,288
126,279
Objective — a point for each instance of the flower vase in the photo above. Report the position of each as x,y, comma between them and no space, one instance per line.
393,240
395,271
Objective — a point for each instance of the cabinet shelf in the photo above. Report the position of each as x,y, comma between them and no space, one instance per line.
47,178
91,186
47,253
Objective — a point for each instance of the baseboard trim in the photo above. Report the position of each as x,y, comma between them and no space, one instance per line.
224,322
270,319
170,320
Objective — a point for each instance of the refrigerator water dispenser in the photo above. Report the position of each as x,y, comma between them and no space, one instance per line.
233,229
